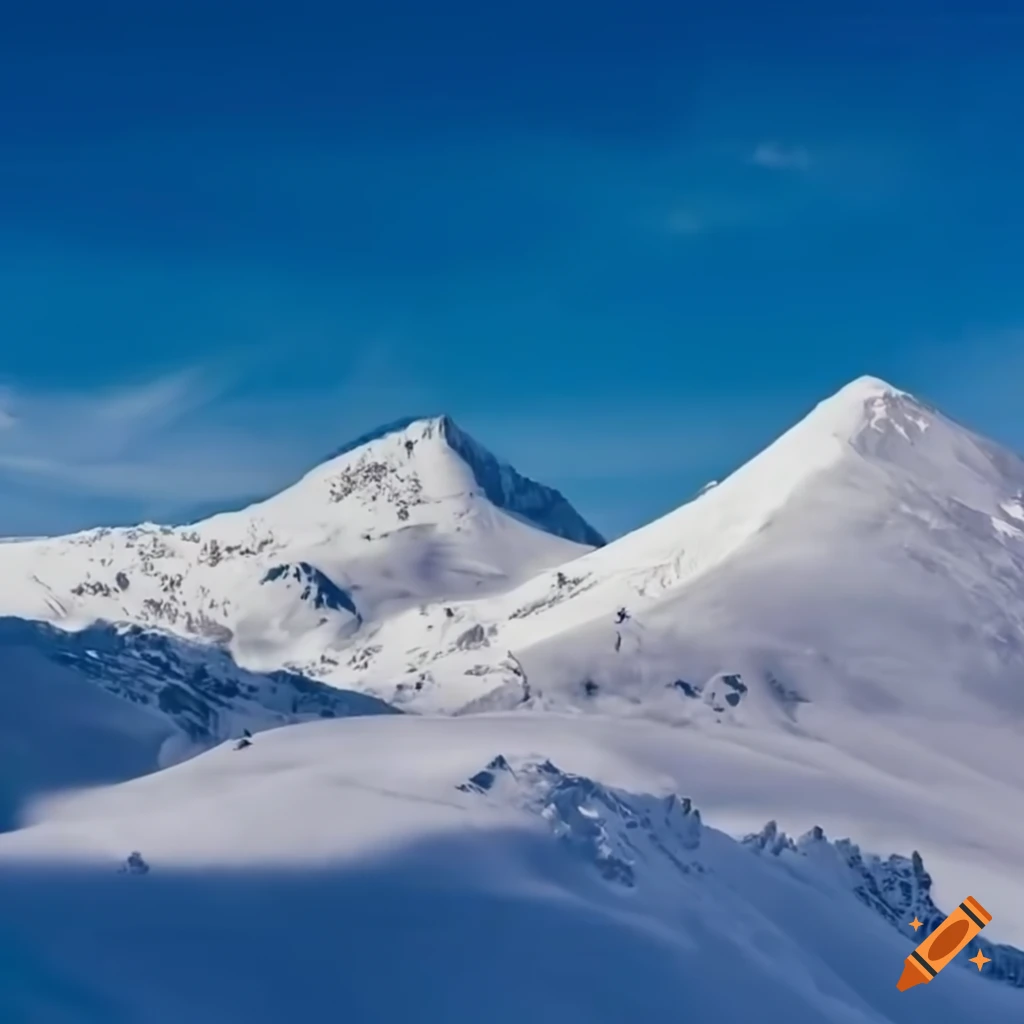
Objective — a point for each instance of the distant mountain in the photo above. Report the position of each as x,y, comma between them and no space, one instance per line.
415,513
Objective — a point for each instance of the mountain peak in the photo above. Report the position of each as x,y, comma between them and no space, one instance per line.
446,459
393,427
865,403
864,388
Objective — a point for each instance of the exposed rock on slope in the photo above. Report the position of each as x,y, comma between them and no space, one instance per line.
897,888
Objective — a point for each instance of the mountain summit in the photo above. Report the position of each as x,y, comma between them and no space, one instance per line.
502,485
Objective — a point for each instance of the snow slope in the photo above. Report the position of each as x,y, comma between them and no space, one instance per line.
108,704
416,512
495,868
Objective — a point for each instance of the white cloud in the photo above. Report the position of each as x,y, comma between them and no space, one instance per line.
777,157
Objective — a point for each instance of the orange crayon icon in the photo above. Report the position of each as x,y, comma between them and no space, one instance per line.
943,944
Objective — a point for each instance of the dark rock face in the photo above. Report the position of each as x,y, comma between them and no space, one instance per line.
317,588
472,638
543,506
688,689
200,688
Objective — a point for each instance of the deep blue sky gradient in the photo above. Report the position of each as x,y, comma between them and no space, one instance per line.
623,245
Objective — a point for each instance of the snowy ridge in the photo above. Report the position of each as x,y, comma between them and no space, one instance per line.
506,489
897,888
619,833
612,830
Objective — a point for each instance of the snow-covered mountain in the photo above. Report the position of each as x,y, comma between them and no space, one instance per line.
832,636
417,512
432,869
415,567
871,559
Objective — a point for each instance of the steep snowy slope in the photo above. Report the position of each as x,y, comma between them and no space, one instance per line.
872,559
416,512
108,704
455,869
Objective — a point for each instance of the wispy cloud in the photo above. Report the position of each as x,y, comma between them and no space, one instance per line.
70,427
111,442
156,403
191,438
777,157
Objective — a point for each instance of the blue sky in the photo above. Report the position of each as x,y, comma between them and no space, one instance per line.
623,245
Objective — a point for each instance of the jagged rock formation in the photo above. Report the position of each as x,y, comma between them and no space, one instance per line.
613,830
897,888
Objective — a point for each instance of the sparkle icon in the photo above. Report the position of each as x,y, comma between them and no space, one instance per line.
915,924
980,959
